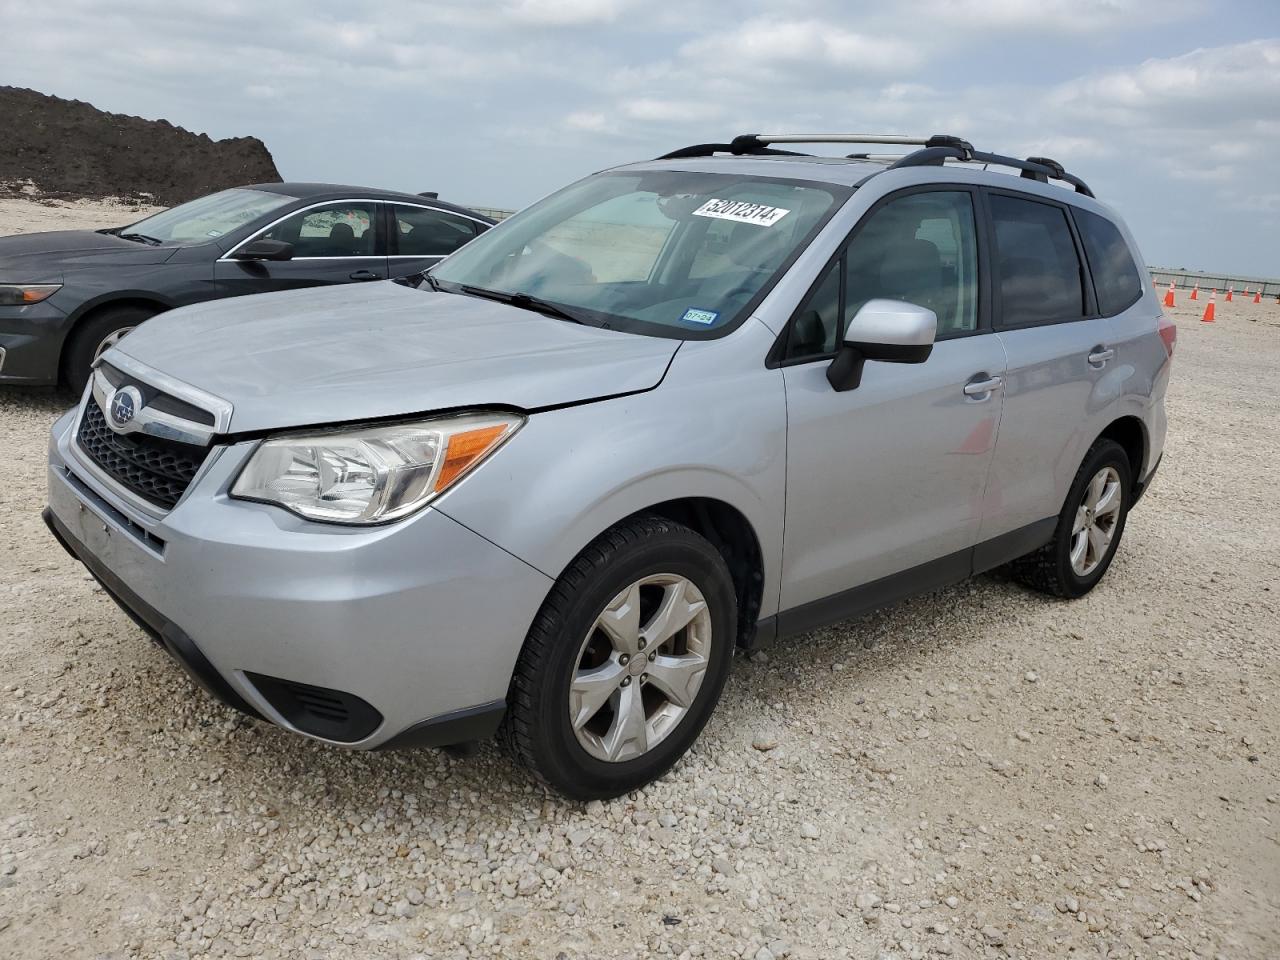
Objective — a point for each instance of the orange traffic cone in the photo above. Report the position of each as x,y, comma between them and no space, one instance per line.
1208,310
1230,290
1168,295
1195,292
1257,297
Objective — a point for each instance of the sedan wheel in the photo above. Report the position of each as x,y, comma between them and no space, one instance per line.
109,341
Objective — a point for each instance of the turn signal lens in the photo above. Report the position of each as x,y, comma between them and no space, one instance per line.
465,450
25,294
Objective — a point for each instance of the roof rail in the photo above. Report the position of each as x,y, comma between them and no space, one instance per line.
936,150
1040,169
758,144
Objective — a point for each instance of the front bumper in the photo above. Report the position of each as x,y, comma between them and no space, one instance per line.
421,621
31,343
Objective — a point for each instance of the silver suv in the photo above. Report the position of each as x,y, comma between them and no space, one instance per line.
677,408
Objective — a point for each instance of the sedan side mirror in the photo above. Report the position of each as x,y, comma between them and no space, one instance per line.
265,250
892,331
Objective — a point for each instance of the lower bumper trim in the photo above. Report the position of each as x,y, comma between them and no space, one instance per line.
460,726
180,646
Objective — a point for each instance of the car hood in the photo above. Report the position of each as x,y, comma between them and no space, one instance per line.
374,350
32,257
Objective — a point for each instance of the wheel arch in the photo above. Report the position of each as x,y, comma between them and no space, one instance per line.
731,533
108,301
1131,433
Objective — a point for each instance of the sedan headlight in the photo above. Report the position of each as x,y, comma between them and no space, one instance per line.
371,474
24,294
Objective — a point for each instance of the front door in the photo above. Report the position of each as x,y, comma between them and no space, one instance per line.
337,242
889,476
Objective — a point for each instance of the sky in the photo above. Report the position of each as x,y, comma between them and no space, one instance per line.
1169,109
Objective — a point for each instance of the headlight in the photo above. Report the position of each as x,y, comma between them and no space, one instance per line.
22,294
374,474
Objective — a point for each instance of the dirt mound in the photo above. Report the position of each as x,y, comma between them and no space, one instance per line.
68,148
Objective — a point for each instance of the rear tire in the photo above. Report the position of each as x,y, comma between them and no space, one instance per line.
654,692
93,335
1089,528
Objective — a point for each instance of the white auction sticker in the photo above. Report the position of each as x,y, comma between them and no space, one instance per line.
741,211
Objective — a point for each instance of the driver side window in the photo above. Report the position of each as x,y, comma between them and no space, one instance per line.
921,248
339,230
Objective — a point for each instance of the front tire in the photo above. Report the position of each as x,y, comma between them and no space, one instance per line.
93,336
1089,528
625,661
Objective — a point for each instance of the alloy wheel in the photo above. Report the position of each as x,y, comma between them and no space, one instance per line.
640,667
1096,521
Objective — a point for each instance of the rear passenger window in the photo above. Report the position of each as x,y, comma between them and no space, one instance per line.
1039,271
420,232
1115,276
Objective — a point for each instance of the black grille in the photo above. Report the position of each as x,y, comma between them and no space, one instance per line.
157,470
319,711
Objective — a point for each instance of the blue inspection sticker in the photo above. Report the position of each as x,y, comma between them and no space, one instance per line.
704,317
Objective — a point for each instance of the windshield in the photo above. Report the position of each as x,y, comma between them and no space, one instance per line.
208,218
662,252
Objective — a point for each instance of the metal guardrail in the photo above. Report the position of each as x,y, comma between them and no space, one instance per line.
1186,279
493,213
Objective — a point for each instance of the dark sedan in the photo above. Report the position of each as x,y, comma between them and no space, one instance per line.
66,296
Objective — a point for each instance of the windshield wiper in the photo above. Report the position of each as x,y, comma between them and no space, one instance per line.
140,238
525,302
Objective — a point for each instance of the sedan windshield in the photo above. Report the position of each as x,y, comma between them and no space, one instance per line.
207,218
665,252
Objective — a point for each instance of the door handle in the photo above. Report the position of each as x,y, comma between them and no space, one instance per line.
1100,355
364,275
982,388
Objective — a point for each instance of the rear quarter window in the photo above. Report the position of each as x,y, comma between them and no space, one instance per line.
1116,278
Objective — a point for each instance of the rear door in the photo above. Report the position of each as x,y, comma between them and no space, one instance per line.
1059,350
338,241
422,236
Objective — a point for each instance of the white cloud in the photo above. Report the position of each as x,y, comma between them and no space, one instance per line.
768,40
587,120
1053,16
671,111
565,12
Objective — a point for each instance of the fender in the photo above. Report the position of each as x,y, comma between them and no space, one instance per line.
570,474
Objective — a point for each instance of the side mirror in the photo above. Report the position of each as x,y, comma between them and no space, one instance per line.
265,250
892,331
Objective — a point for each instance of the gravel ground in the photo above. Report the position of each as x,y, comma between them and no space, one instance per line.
978,773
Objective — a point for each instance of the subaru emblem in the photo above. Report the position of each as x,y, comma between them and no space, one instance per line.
124,406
